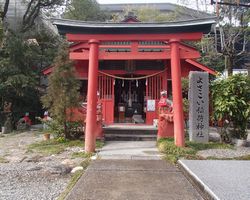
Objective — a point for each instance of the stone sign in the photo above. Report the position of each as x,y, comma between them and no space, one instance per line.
198,106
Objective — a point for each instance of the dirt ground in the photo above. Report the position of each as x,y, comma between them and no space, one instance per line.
13,147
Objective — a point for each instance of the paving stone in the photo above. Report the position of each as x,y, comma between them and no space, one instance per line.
136,150
132,180
225,180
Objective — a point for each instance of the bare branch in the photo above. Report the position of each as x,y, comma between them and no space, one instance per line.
5,9
33,10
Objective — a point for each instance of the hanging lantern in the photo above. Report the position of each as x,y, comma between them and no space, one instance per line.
122,83
137,83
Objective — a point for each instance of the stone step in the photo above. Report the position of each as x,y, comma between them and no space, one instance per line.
129,137
130,131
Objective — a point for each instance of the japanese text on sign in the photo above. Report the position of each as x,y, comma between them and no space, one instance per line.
200,108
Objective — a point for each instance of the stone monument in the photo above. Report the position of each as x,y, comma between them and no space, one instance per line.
198,106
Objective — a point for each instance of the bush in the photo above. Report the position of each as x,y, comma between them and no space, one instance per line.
231,102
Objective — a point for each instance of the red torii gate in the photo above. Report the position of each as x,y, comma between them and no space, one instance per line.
91,36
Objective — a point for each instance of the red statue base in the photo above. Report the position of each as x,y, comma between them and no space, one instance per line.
165,126
165,121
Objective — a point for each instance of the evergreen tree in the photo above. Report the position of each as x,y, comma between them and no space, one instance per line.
63,89
148,14
19,75
86,10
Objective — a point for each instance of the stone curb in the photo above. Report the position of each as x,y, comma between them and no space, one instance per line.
203,189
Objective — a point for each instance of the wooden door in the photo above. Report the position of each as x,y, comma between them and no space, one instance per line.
106,91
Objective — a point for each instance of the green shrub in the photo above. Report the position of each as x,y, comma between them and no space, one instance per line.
231,101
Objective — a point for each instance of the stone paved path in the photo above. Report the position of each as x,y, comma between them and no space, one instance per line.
132,180
132,171
131,150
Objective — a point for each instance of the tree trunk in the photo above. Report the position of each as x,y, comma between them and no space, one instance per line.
66,132
229,65
248,69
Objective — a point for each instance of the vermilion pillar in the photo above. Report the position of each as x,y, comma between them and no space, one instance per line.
92,96
177,94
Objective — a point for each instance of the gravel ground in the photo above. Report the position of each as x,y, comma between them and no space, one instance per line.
225,153
31,176
31,181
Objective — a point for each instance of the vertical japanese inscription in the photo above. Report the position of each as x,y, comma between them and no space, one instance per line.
198,106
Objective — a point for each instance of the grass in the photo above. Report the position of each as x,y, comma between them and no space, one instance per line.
81,155
173,153
76,176
99,144
57,146
3,160
53,146
247,157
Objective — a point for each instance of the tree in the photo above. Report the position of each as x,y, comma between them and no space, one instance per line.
228,43
209,54
1,32
34,9
147,14
63,89
87,10
5,9
231,101
48,44
185,88
234,34
19,75
21,60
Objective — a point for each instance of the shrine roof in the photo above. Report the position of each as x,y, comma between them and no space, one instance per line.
82,27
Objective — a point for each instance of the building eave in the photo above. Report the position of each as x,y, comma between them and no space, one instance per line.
201,66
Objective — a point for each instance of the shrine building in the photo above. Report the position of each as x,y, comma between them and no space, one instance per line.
126,65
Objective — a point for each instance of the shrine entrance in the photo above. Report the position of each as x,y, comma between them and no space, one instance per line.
131,98
130,101
99,42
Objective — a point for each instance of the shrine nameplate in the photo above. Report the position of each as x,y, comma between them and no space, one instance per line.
150,105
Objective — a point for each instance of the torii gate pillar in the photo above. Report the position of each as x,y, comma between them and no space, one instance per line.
177,94
90,137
